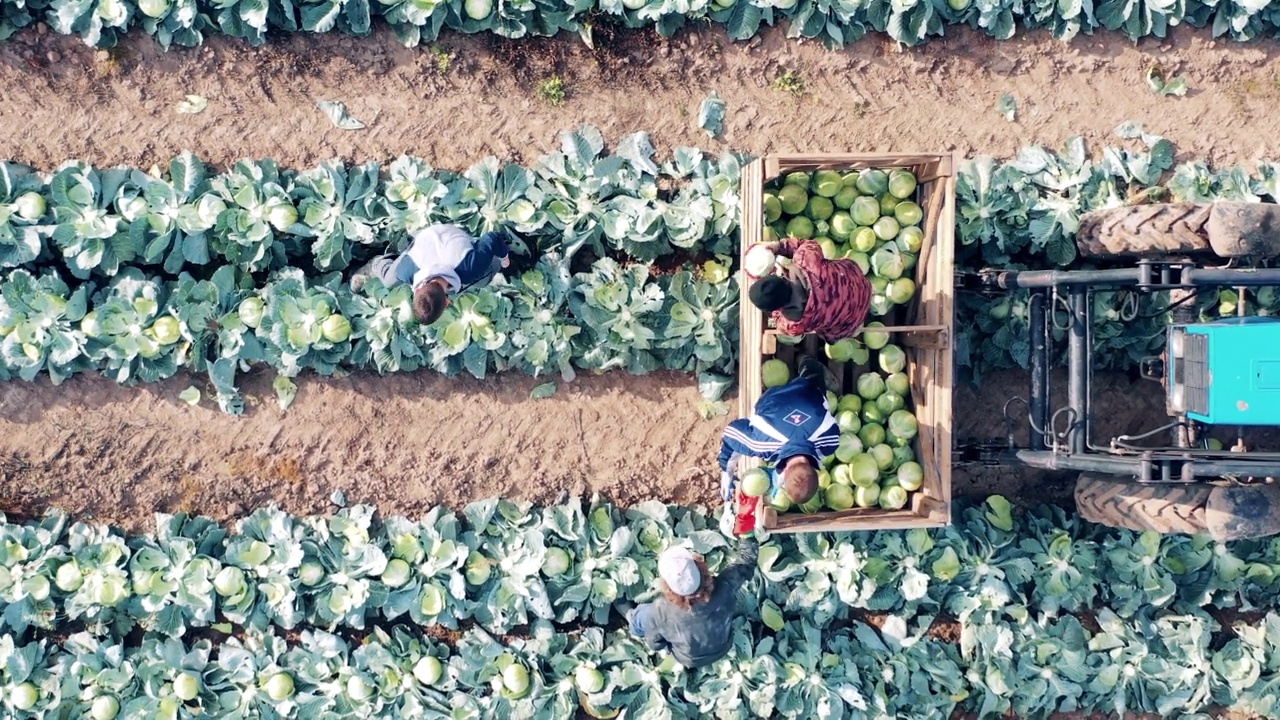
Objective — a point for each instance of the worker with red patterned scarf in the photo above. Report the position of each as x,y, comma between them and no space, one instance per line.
829,298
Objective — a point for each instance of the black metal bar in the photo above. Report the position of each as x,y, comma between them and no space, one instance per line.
1230,276
1052,278
1078,368
1086,419
1138,467
1039,403
1243,466
1130,466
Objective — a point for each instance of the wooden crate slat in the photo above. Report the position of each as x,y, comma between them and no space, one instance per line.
751,319
784,163
888,328
940,339
936,199
946,363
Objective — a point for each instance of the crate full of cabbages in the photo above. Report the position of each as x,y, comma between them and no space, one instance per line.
890,383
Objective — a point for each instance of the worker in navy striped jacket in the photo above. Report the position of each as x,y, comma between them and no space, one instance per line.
792,429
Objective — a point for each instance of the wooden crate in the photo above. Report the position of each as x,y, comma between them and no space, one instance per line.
925,335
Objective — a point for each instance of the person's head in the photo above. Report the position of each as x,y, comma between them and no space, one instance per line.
684,578
770,293
429,300
800,479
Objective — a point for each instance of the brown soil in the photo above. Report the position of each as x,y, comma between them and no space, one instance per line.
409,441
118,106
405,442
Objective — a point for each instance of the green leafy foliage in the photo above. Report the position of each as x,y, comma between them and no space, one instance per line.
622,312
835,22
583,220
836,625
23,212
702,331
39,316
93,211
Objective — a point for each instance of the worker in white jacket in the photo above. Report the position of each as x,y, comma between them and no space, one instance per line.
443,260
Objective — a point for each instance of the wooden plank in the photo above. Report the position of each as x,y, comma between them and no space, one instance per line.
751,320
781,164
792,520
916,335
887,328
767,516
944,169
927,192
769,343
931,508
922,395
945,381
869,524
940,339
866,519
938,191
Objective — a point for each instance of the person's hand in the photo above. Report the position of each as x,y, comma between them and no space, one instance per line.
760,534
506,261
726,485
728,520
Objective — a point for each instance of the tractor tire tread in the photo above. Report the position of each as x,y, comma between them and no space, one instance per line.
1145,230
1135,506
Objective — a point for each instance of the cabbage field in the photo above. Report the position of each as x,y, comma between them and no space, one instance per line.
220,283
189,22
140,274
314,617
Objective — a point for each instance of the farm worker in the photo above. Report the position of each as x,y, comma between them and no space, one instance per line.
828,298
692,617
443,260
791,429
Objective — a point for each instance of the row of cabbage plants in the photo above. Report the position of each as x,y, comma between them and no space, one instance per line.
1052,614
910,22
257,217
544,321
139,274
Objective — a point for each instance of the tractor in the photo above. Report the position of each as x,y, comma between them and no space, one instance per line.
1168,478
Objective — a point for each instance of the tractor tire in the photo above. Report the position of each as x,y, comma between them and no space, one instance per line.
1145,231
1136,506
1240,229
1224,512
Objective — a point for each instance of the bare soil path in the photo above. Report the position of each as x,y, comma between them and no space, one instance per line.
117,106
409,441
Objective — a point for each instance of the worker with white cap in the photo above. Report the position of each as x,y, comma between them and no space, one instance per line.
692,617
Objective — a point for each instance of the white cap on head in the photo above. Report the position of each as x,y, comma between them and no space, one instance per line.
678,570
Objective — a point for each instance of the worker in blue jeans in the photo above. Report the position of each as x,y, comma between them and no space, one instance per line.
693,617
443,260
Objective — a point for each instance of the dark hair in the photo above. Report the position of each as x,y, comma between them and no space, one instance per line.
800,481
770,293
686,602
428,302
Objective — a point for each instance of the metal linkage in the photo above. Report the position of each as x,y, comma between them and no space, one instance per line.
1061,440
